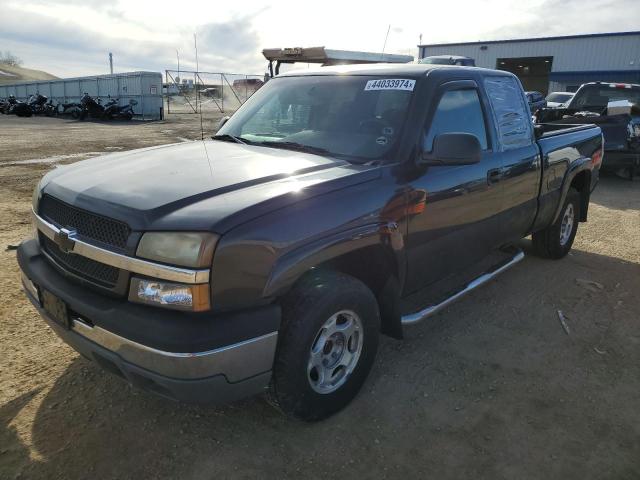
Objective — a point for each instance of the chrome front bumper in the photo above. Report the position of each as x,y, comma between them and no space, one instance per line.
219,375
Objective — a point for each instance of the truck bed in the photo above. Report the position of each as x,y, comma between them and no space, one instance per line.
564,148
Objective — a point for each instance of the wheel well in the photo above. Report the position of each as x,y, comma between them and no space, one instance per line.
377,268
582,183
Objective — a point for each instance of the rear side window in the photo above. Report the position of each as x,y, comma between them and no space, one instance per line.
458,111
510,111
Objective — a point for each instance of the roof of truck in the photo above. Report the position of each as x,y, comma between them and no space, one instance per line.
411,69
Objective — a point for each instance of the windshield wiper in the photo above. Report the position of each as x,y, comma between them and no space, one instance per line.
299,147
225,137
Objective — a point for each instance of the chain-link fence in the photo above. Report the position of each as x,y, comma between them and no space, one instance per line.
207,92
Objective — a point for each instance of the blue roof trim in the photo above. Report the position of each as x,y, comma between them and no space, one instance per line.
514,40
590,73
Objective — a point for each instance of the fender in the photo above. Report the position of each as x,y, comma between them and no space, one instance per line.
576,167
290,267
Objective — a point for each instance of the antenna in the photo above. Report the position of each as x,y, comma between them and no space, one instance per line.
385,42
111,62
195,44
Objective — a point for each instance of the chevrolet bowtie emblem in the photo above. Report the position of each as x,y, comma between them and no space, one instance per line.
63,240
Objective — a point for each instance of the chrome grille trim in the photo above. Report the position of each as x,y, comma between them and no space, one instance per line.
124,262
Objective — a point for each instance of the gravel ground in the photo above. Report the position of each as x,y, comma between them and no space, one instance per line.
491,388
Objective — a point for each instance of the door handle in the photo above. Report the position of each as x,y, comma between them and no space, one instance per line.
494,175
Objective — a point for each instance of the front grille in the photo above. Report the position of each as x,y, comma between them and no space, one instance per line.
105,230
96,272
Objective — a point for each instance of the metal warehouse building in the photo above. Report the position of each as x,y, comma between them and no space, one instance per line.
555,63
143,87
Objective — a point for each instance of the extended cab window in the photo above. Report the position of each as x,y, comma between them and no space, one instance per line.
512,116
458,111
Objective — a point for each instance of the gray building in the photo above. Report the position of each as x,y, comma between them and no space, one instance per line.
555,63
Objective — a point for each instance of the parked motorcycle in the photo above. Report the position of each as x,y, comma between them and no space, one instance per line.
73,109
50,110
113,110
41,105
21,109
90,107
9,104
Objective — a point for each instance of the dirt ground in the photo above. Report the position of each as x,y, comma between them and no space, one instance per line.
491,388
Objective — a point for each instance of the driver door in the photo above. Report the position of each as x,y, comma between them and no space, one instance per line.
457,225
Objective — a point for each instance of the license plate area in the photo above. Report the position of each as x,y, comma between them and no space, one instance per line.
56,308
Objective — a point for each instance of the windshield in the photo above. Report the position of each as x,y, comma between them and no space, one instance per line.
559,97
598,96
357,117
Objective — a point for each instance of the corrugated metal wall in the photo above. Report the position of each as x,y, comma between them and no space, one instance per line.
597,54
144,87
615,52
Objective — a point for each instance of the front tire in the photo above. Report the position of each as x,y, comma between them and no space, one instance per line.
556,240
326,347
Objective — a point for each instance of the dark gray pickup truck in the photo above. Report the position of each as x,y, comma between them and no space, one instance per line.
334,205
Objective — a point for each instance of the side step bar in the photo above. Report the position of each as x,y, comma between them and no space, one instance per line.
481,280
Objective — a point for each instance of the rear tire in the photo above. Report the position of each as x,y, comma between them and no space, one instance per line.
326,347
556,240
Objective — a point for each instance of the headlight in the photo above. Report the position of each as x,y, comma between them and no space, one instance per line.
194,298
35,197
178,248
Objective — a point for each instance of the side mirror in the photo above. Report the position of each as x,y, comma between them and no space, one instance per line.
222,121
453,149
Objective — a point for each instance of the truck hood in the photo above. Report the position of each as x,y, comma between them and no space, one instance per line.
202,185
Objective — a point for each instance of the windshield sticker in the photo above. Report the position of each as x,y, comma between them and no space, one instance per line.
390,84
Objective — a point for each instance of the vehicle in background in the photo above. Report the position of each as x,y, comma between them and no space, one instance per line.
41,105
334,205
535,100
7,105
448,60
558,99
113,110
90,107
73,109
211,92
615,108
249,85
21,109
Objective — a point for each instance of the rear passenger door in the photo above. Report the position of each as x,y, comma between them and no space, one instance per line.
455,224
518,155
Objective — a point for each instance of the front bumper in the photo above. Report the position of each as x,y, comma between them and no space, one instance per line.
227,366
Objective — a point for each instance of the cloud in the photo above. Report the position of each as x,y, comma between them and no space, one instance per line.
571,17
73,37
222,46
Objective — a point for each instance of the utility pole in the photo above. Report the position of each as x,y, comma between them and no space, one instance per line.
178,57
111,62
195,44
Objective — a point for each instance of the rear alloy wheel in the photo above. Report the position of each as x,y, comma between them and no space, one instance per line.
556,240
326,346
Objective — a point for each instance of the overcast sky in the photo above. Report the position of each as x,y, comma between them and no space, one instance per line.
73,37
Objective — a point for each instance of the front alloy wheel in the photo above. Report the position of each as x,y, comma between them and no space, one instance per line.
326,345
335,352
